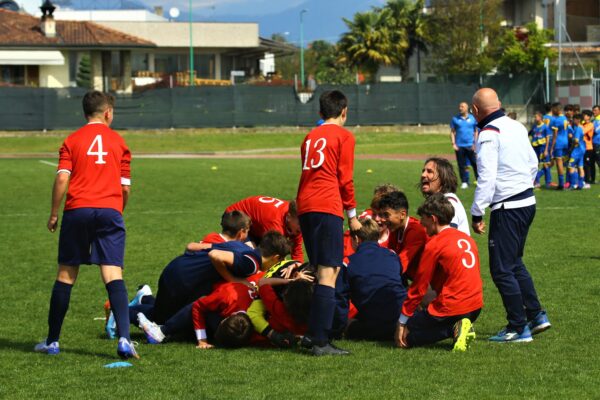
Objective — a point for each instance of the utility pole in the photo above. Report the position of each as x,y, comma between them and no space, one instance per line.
302,46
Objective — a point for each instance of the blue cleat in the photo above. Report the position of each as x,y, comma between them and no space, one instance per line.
540,323
143,290
508,335
126,349
153,332
111,326
50,349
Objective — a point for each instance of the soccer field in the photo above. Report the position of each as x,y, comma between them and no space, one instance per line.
175,201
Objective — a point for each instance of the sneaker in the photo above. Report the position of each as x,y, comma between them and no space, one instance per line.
552,184
126,349
143,290
464,185
152,331
464,334
586,186
510,335
50,349
111,326
540,323
567,185
537,185
328,350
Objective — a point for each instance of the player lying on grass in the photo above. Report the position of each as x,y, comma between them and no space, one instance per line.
450,264
281,313
235,225
372,282
272,214
193,274
407,236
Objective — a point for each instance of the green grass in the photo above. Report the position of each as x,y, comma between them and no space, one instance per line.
369,140
175,201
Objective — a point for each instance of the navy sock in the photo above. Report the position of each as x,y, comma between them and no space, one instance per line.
180,322
321,314
146,309
117,295
561,180
59,304
581,181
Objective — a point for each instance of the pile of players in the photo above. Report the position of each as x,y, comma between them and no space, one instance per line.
570,139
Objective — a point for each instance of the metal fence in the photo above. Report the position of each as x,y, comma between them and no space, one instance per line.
241,105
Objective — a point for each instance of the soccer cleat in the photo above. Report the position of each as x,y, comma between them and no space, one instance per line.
152,331
586,186
143,290
111,326
328,350
50,349
126,349
507,335
464,334
464,185
540,323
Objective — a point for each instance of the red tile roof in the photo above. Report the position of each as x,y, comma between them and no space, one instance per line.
23,30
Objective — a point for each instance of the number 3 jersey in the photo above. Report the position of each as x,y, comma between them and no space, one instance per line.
450,263
99,163
326,183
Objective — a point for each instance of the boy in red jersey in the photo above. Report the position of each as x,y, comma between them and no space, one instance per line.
450,264
407,237
326,189
235,225
94,166
272,214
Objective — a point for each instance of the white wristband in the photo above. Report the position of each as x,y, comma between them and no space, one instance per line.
403,319
200,334
351,213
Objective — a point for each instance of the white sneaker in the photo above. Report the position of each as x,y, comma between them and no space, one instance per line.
144,290
51,349
464,185
151,329
586,186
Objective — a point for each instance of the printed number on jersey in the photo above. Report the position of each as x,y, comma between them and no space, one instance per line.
468,261
97,144
316,158
271,200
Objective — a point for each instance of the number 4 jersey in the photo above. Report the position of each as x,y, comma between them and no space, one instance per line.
450,263
326,183
99,163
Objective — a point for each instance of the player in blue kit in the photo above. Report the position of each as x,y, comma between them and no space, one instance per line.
576,173
541,135
547,118
373,283
560,142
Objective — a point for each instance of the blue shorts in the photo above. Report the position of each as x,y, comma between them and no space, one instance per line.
539,151
323,236
576,160
92,236
559,152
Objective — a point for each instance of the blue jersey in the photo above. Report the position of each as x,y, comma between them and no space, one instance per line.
560,125
540,134
596,137
548,119
465,129
578,142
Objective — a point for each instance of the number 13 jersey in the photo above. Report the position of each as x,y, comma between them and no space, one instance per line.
326,184
99,163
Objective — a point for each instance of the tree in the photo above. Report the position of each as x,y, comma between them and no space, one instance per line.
523,50
325,66
368,43
460,33
84,73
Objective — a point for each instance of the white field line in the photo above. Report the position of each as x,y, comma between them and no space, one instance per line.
49,163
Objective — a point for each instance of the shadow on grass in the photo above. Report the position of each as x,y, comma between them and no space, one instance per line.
27,347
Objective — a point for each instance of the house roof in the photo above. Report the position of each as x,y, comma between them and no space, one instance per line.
23,30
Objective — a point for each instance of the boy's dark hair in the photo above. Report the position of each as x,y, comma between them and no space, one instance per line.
273,243
596,106
369,232
446,174
293,210
569,107
556,105
380,190
234,221
437,204
331,104
589,113
547,107
96,102
297,298
578,116
234,331
395,201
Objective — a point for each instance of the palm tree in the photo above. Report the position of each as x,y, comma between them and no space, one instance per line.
368,42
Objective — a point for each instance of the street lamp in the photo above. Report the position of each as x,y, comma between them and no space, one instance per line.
302,46
191,50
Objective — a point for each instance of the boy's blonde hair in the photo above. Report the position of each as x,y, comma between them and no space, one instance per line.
369,232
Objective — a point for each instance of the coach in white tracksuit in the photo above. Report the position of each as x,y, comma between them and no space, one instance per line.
507,166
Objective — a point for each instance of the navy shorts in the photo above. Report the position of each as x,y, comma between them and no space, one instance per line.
323,236
92,236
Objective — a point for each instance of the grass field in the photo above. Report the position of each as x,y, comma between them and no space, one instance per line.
175,201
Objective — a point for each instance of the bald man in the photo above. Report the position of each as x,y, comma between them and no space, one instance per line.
463,133
507,168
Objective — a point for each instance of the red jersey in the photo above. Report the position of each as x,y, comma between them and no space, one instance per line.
326,184
268,214
450,263
213,238
409,245
99,163
279,319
